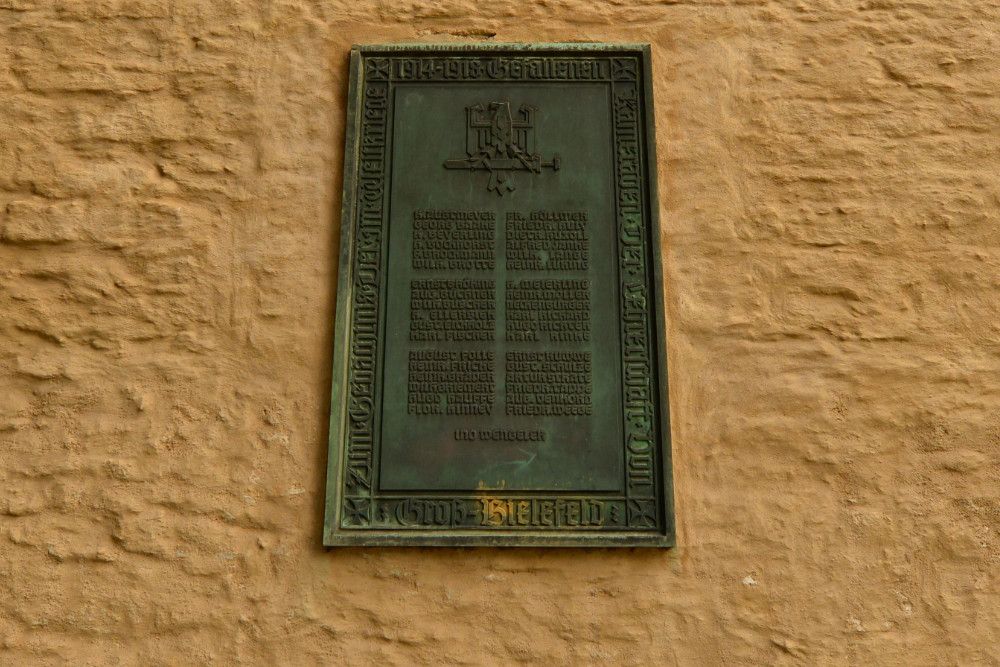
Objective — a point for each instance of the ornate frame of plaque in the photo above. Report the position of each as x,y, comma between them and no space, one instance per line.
500,370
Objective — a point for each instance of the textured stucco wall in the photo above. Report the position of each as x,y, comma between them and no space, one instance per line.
169,197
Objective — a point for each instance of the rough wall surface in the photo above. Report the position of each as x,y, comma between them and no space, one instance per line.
169,197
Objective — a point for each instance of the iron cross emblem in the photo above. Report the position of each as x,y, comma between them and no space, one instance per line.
500,143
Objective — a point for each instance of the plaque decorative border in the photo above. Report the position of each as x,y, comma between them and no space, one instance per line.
356,513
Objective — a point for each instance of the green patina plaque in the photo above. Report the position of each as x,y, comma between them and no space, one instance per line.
500,369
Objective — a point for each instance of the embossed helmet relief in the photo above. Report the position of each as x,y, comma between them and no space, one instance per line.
499,367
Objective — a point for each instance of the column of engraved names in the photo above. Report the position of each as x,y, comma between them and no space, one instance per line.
549,384
454,240
552,308
451,382
549,310
455,303
547,241
453,310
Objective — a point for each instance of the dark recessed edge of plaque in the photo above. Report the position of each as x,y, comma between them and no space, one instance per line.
499,373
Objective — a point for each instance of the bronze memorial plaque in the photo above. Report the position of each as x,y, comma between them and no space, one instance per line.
500,370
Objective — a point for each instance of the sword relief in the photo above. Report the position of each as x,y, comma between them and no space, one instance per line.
500,143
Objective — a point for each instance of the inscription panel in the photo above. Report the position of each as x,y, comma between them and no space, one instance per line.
499,371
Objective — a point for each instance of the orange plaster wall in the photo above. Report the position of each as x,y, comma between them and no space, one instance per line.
169,216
